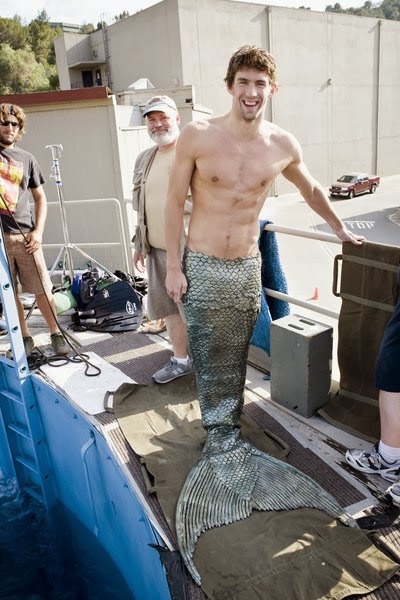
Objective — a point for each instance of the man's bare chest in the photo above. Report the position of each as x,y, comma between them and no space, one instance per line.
243,169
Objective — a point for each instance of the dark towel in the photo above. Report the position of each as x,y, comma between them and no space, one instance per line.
273,277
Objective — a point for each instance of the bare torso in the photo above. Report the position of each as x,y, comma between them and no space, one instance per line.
229,186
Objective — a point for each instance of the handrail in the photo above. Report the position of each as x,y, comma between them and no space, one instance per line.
303,303
313,235
120,240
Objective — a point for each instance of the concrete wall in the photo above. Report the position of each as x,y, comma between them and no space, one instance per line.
99,151
338,78
211,30
329,100
146,44
388,122
60,47
86,132
339,74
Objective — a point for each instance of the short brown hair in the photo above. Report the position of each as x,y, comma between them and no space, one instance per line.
16,111
253,58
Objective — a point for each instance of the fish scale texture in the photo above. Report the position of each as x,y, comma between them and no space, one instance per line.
232,477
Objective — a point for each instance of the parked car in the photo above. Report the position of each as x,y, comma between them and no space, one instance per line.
353,184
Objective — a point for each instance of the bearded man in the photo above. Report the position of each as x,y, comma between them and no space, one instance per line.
150,185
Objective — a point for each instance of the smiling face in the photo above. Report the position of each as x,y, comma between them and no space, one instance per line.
163,127
250,91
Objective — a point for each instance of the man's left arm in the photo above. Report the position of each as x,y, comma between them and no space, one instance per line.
313,193
35,236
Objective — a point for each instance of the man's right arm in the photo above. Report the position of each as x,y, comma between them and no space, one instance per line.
297,173
179,183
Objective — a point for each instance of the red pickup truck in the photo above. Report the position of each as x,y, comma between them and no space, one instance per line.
353,184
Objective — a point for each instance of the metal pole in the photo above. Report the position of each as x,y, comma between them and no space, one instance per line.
55,174
304,233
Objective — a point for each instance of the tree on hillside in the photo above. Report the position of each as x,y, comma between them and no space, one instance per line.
87,28
121,16
20,72
27,55
388,9
41,36
391,9
42,17
12,32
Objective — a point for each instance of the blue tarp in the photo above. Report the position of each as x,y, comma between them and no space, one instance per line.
273,277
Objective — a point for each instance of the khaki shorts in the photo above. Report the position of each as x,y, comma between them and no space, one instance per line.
33,279
159,304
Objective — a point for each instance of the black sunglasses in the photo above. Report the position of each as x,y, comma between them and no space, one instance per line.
7,123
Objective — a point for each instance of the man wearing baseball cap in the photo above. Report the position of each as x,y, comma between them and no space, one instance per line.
150,185
163,104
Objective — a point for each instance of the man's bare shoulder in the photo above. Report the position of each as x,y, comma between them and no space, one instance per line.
280,137
201,125
273,130
195,135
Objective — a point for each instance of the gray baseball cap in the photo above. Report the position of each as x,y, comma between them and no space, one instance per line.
161,103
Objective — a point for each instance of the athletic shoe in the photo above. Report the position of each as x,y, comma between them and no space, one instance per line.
29,345
59,345
370,461
172,370
394,492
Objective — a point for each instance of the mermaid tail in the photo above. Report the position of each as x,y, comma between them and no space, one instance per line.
232,477
226,485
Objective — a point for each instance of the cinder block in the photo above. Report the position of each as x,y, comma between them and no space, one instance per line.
301,363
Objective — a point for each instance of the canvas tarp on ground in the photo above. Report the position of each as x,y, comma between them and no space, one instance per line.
302,554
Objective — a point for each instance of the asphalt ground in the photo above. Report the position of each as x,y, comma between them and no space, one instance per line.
308,263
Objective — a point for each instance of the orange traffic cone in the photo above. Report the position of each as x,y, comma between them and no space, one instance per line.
315,295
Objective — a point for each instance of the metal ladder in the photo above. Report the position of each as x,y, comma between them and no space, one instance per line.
23,448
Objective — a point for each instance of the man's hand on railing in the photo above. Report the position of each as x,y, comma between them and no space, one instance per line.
347,236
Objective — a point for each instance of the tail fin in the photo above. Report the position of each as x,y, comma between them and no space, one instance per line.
225,487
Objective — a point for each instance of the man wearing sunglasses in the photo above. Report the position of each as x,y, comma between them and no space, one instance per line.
20,175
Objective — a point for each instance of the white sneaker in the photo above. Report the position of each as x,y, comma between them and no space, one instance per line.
394,492
370,461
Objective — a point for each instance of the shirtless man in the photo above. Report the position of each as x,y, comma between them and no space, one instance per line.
229,162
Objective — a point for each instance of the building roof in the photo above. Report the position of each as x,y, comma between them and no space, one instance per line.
66,27
55,96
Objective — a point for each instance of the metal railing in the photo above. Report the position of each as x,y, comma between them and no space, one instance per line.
313,235
95,225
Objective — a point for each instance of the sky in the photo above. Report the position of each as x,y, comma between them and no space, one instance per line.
92,11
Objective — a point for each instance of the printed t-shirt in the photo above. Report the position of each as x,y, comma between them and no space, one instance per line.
19,171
